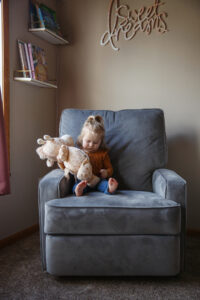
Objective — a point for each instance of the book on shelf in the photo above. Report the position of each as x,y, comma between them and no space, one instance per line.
23,59
33,61
42,16
49,17
28,60
39,14
33,15
38,62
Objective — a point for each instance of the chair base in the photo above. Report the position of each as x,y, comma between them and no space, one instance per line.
113,255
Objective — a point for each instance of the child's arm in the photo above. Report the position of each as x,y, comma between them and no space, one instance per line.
107,171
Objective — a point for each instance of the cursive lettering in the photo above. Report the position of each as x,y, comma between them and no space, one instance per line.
122,20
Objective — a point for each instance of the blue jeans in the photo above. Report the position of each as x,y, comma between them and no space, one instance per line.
102,186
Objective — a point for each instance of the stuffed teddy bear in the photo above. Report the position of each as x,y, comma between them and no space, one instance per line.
69,158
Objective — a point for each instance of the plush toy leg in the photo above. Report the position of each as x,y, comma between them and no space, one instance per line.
66,171
84,171
49,162
63,153
93,182
61,165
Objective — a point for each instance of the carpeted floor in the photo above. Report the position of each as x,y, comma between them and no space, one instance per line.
21,278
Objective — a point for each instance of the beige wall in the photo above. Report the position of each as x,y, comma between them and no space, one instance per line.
32,113
148,71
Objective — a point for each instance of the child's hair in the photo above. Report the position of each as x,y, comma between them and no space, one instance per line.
96,125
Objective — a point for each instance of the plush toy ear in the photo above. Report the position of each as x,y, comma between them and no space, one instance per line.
48,138
40,141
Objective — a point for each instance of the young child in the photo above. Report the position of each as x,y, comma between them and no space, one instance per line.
91,140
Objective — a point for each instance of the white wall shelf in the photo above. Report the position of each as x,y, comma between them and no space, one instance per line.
39,83
49,36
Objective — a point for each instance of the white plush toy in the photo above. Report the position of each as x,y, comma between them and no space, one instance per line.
69,158
51,146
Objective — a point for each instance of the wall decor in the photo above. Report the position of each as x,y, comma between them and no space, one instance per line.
121,19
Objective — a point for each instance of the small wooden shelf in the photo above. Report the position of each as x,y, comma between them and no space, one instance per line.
49,36
36,82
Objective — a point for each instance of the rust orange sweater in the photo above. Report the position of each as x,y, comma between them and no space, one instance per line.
100,160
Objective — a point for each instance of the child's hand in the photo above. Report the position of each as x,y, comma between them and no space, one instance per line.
103,173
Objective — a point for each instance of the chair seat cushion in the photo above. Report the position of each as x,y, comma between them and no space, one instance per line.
126,212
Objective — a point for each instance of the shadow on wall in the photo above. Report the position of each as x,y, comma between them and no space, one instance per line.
70,91
183,158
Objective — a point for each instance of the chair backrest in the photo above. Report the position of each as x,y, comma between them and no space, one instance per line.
136,139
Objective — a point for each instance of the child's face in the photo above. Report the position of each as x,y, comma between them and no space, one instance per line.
91,141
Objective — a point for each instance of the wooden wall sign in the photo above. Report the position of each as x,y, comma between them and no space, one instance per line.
128,22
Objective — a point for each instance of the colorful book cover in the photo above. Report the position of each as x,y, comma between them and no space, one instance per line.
39,14
23,59
31,60
39,62
49,18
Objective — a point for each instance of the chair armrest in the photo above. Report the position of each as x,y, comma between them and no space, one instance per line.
51,186
169,185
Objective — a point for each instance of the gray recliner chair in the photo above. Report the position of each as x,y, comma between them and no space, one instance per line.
140,230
